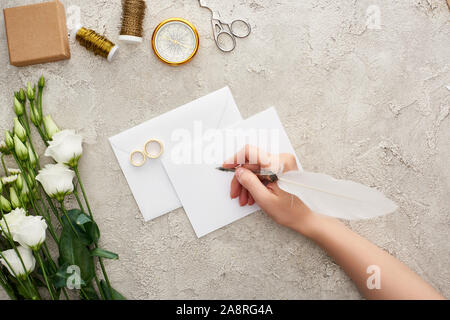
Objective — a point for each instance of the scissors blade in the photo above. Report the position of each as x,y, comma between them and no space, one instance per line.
215,14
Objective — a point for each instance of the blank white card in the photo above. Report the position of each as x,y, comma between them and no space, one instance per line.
203,190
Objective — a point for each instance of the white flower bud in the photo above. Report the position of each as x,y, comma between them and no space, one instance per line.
20,148
9,141
5,204
14,171
18,107
14,198
19,182
19,130
33,156
50,126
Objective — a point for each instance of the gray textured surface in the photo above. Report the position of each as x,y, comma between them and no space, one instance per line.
362,104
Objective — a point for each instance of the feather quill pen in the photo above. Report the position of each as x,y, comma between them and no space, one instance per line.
332,197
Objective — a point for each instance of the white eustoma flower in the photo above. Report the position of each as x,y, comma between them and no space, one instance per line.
9,179
14,171
56,180
13,220
30,233
65,147
13,263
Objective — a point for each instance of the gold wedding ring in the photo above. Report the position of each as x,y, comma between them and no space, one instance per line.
145,154
133,162
160,147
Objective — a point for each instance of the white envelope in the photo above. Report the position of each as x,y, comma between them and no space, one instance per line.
150,184
204,191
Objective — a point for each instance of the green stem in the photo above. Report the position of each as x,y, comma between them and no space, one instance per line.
40,91
4,165
75,192
68,219
44,273
52,206
65,293
49,256
55,211
7,287
53,265
99,287
43,135
77,173
38,210
39,103
84,293
102,266
27,124
31,285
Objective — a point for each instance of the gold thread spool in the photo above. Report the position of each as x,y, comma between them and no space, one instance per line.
95,42
133,13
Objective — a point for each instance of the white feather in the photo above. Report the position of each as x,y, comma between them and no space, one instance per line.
336,198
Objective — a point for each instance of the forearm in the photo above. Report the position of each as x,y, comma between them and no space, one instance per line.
355,254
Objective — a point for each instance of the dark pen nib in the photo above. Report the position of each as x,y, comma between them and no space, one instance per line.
263,175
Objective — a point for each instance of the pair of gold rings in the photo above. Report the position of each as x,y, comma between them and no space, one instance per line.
145,153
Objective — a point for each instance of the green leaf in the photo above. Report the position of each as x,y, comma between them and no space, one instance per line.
60,278
73,251
93,231
90,292
81,220
83,225
104,254
115,294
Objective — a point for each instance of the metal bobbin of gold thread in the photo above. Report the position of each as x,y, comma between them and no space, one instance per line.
133,13
95,42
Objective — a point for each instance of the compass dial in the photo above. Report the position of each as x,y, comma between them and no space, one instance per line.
175,41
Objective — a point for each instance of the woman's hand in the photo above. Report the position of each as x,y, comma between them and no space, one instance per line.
285,208
352,252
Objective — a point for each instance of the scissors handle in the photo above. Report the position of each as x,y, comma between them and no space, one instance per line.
236,34
220,32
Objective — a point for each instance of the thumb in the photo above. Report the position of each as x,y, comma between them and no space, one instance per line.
252,183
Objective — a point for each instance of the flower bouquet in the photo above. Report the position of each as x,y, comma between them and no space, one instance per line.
32,203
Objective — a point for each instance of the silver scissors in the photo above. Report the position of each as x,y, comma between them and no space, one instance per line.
223,30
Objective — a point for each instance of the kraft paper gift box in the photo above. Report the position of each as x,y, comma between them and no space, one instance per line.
36,33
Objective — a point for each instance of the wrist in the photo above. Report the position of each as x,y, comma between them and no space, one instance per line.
308,225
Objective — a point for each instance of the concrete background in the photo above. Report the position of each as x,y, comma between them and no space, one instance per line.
358,103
